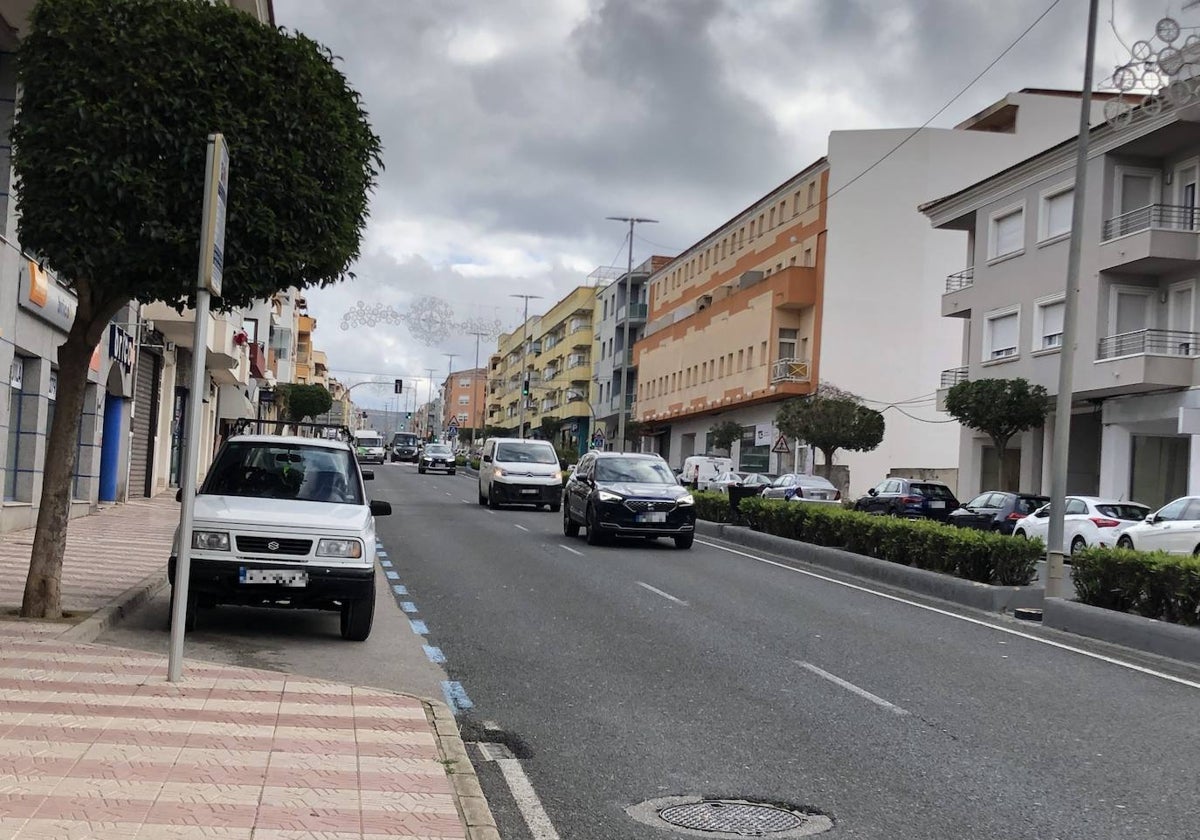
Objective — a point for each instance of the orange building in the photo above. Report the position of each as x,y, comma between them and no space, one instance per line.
734,327
463,395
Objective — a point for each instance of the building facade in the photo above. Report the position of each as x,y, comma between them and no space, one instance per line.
464,393
1136,397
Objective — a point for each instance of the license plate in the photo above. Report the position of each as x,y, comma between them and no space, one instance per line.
280,577
937,504
653,516
532,491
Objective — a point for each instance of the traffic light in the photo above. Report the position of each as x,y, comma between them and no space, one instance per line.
525,387
399,386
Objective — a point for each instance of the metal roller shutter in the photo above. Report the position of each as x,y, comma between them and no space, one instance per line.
145,413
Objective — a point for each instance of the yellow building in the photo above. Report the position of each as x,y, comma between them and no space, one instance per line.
320,366
305,324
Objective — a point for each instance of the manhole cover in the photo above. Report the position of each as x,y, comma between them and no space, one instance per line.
741,818
730,818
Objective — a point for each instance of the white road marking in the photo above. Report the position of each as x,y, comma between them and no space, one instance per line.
448,493
568,548
851,687
522,527
657,591
465,501
536,818
1049,642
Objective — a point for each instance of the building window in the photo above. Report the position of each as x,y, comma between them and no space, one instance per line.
1055,217
1007,233
464,400
741,361
1130,310
1048,324
787,343
808,257
462,418
772,218
812,194
250,325
464,383
1001,333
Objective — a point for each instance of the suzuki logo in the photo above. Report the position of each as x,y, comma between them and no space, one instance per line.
272,546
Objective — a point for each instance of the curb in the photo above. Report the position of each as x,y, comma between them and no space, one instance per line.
112,613
1174,641
473,808
980,596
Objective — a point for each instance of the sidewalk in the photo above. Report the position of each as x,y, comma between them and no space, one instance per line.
96,745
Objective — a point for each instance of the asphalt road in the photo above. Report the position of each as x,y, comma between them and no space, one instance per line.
625,673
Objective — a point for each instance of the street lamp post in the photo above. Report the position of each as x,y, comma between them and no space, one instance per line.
429,404
632,220
474,388
575,396
446,390
524,354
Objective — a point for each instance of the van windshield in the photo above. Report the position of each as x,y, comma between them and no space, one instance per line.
524,453
370,441
284,471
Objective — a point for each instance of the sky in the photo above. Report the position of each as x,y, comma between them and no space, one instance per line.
512,128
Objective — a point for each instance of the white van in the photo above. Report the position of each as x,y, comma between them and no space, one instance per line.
699,470
520,472
368,446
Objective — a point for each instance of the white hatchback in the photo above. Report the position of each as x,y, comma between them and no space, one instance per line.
1173,528
1089,522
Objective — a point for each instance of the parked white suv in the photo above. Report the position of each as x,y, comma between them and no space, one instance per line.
520,472
285,522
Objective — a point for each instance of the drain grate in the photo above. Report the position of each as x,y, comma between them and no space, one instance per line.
741,818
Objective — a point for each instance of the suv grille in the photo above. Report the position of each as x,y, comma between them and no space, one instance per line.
641,505
273,545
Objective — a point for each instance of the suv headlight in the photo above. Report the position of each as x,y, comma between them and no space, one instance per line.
684,501
210,540
348,549
607,496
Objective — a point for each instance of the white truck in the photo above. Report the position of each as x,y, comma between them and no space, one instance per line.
368,446
699,470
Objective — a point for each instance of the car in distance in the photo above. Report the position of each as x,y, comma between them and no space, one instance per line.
911,498
1089,522
519,471
284,522
437,456
996,510
724,481
368,445
615,494
404,447
803,488
1173,528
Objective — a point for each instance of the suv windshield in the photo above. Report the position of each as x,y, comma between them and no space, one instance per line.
520,453
404,439
437,449
285,471
634,470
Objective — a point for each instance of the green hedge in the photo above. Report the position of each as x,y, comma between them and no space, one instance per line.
461,460
1151,584
713,507
974,555
474,463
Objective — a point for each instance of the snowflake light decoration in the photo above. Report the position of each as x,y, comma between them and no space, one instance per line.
431,320
1157,66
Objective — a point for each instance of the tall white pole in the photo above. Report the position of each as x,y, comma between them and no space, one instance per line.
477,415
1055,554
524,356
624,398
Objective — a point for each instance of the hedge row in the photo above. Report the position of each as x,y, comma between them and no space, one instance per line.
974,555
713,507
1151,584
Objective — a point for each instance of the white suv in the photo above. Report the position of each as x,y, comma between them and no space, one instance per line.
520,472
285,522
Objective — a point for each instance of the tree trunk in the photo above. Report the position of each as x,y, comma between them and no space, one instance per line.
43,593
1001,448
828,453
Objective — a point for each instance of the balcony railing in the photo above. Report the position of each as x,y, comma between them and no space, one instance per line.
961,280
790,370
952,377
637,312
620,359
1153,216
629,402
1149,342
578,360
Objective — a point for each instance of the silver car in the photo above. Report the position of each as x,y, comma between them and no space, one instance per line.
803,488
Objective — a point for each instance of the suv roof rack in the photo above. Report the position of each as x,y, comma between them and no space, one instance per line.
278,427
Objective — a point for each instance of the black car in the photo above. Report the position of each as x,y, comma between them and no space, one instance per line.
615,494
996,510
437,456
405,446
911,498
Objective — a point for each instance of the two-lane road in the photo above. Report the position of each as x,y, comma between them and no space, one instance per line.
632,672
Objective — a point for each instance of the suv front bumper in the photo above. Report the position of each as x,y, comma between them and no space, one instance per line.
217,582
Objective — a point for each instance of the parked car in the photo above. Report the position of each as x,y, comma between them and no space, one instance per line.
996,510
699,470
1089,522
437,456
909,497
520,471
803,488
724,481
615,494
1173,528
284,522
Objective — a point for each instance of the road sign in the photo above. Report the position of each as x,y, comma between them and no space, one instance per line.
212,229
781,445
453,422
452,432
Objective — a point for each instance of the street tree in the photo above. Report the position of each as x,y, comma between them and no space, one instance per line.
1000,408
725,434
303,401
831,419
109,147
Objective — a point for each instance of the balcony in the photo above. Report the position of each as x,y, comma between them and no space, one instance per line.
625,359
955,305
615,403
1146,360
790,370
1149,342
577,360
949,379
224,358
637,313
1153,239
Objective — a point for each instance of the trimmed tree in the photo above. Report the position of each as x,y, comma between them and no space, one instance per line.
1000,408
109,145
831,419
725,434
303,401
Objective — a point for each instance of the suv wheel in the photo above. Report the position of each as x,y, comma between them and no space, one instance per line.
594,537
684,541
570,526
357,617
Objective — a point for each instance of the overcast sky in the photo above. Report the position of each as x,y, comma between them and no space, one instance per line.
511,128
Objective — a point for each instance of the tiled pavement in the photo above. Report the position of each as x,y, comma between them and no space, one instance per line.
107,553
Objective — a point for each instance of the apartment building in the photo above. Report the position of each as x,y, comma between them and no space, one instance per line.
1136,399
463,396
856,307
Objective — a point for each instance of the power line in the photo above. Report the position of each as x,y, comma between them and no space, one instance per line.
918,419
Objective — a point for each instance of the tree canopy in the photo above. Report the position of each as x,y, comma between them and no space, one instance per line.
725,434
1000,408
303,401
831,419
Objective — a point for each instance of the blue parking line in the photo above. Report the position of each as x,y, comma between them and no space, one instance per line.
435,654
400,590
456,696
387,564
408,606
419,627
392,575
383,555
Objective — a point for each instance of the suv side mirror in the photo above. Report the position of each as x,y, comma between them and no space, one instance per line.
379,508
368,475
872,492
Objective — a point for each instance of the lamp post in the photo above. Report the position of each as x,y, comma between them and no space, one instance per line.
446,390
474,388
632,220
575,396
524,354
429,404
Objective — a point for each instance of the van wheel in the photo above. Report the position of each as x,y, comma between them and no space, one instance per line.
492,502
482,498
357,617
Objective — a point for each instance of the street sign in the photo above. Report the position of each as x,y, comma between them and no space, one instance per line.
452,432
781,445
212,232
453,422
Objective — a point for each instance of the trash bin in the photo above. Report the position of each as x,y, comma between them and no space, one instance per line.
736,494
